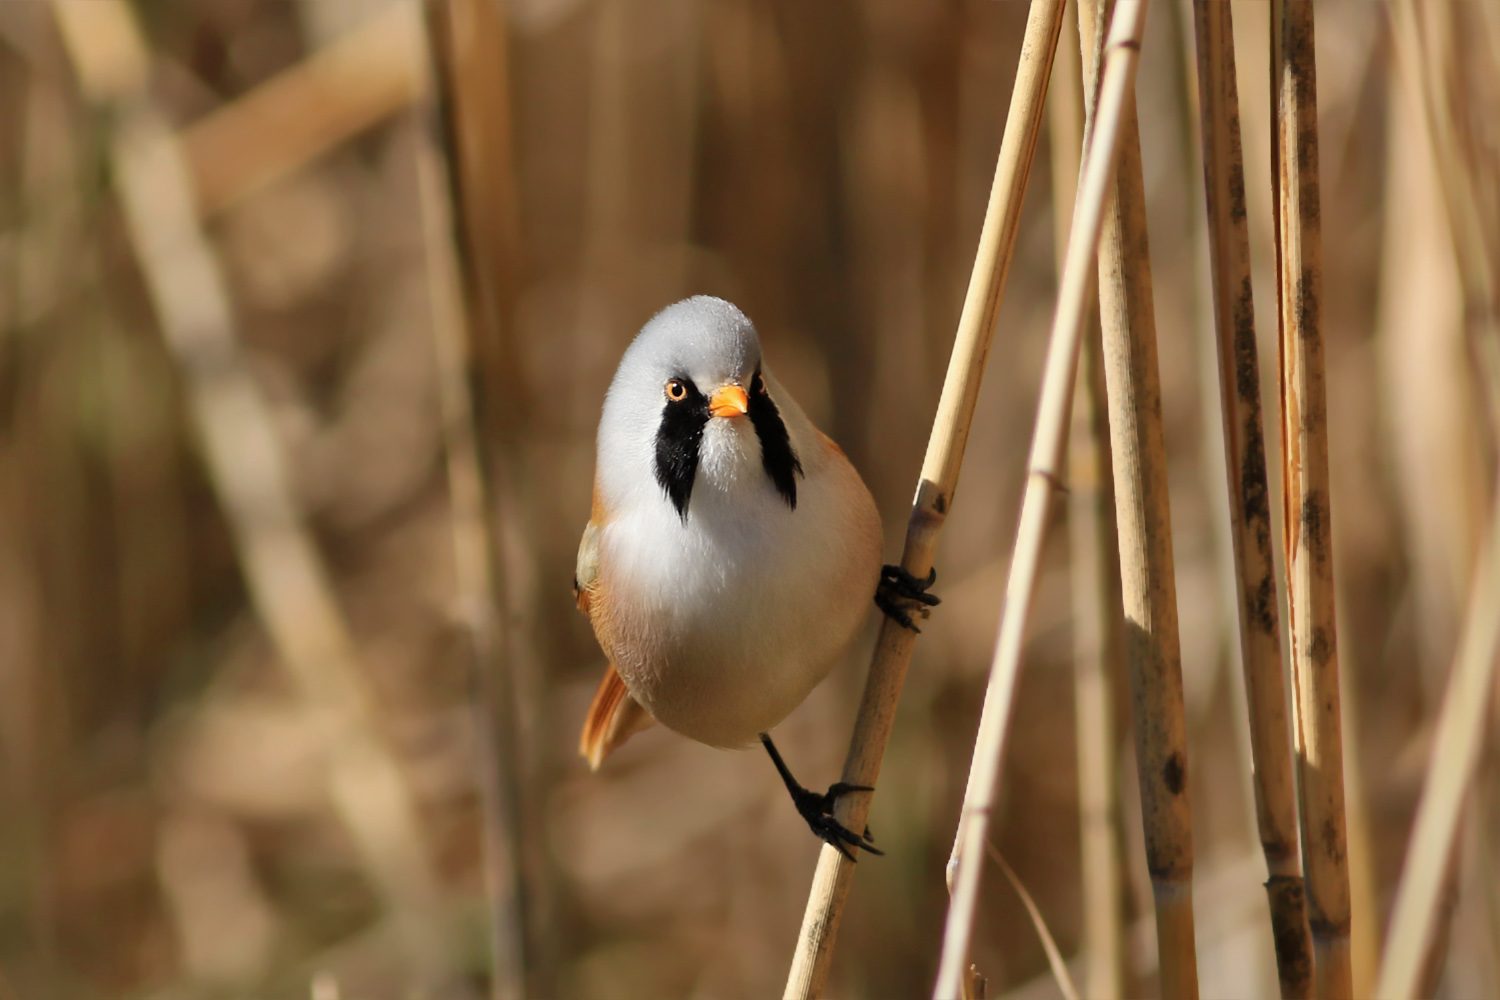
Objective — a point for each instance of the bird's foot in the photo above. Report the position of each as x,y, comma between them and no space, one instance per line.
900,595
817,809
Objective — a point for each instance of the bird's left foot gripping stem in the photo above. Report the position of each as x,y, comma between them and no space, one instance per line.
818,809
900,594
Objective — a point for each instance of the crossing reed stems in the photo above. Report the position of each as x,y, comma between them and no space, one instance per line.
246,463
939,478
1045,464
1093,551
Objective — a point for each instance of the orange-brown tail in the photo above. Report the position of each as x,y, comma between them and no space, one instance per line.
613,718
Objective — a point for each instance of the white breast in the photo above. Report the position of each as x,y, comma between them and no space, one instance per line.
724,622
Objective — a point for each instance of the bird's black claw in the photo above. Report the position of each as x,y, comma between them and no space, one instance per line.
817,810
899,593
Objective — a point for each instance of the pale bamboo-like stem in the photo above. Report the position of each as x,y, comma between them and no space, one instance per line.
1249,494
935,488
1143,522
1457,747
284,573
1423,914
1308,518
475,593
1098,624
1059,373
301,113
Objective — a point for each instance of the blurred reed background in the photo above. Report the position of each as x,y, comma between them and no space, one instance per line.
245,611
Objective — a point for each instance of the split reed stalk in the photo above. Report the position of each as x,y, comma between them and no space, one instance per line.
476,598
935,488
284,573
1045,465
1098,623
1143,523
1308,518
1249,493
1457,747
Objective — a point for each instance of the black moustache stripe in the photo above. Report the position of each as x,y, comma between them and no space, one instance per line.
677,443
776,452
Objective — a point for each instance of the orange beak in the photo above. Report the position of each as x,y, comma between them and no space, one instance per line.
730,401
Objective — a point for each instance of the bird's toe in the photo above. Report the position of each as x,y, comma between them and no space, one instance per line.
900,595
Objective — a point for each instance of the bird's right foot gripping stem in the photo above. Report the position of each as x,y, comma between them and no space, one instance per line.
900,595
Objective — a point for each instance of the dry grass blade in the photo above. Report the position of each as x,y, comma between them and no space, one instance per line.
1249,492
1093,546
939,478
1049,945
1309,528
283,570
1045,463
293,118
1457,746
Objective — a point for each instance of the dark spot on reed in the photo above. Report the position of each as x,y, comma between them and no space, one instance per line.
1246,362
1313,519
1320,650
1307,305
1333,840
1260,606
1173,774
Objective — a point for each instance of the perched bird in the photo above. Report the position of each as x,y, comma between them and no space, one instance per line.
731,551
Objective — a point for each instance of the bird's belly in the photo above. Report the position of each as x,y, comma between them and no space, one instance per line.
722,652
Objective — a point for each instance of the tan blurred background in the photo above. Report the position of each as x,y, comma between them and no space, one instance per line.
233,764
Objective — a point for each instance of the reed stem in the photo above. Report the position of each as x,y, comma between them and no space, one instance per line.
1045,464
1308,517
476,597
1098,623
935,488
1457,748
1143,521
1249,493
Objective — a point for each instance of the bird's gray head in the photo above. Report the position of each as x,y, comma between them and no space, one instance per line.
692,404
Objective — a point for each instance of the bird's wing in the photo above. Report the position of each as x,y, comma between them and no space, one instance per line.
613,718
586,571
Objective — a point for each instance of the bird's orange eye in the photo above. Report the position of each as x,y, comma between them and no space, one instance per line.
676,391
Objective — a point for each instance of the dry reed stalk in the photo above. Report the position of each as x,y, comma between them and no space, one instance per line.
938,480
284,574
475,598
1250,509
1098,622
1308,518
476,248
1478,258
1457,748
303,112
1143,522
1427,49
1117,78
470,48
